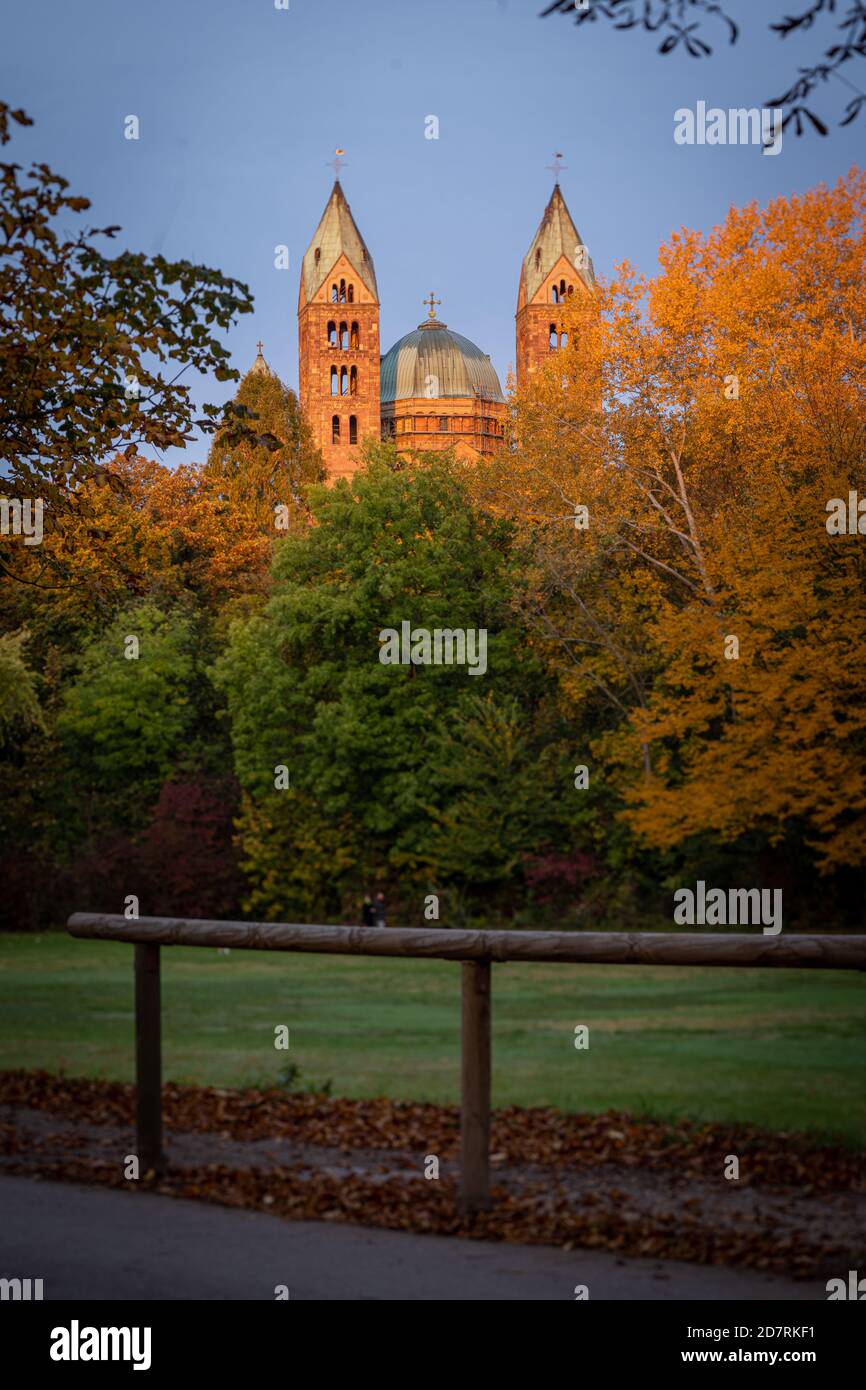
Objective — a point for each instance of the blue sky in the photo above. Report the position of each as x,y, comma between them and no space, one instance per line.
241,107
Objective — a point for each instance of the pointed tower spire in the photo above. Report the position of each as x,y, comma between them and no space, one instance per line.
556,266
336,235
556,237
338,338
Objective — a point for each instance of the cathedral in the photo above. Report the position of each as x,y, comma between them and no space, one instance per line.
433,388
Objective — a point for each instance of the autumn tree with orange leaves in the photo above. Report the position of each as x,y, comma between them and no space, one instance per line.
671,476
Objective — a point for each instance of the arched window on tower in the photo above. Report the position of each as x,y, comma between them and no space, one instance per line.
561,291
570,291
344,382
344,335
353,429
317,254
342,291
554,294
354,338
351,294
538,259
563,340
335,429
333,294
353,381
332,333
553,340
335,382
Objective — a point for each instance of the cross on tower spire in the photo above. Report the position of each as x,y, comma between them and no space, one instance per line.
431,301
556,166
337,163
260,345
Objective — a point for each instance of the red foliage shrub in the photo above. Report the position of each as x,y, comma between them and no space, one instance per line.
556,879
186,857
182,865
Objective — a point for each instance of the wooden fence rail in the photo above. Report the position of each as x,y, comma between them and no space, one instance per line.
475,949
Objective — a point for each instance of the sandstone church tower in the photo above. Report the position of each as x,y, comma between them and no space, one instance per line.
338,339
434,388
556,266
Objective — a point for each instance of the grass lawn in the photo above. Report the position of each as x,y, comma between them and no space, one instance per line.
785,1049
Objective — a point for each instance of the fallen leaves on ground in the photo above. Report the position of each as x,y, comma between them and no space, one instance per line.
540,1212
528,1135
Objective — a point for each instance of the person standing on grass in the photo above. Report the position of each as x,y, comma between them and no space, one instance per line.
379,910
368,915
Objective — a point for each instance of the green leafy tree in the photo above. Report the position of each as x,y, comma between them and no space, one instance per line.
306,689
93,347
298,862
489,809
126,722
19,703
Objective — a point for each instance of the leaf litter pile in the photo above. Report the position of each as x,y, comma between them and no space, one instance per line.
611,1181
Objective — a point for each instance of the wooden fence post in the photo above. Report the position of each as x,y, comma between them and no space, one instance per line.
475,1068
148,1060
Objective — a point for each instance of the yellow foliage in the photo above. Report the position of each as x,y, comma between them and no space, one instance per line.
705,419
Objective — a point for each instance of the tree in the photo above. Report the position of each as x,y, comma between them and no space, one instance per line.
494,800
19,703
702,605
127,717
86,341
255,476
307,692
681,25
186,857
163,533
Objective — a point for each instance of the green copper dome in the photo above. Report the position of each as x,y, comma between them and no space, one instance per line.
435,362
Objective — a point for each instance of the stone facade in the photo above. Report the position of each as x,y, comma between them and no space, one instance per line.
540,330
338,355
474,426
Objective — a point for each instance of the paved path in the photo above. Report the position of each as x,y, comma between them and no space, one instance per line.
657,1197
94,1243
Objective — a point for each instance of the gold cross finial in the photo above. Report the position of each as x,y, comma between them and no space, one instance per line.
556,166
259,345
431,301
337,163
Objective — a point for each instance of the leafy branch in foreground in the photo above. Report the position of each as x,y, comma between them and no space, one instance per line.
93,347
670,19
